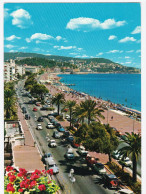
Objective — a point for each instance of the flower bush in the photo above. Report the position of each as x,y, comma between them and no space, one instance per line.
29,183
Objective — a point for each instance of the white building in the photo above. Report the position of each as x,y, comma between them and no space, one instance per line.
10,71
33,69
20,69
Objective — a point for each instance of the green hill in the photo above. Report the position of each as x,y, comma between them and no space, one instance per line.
100,65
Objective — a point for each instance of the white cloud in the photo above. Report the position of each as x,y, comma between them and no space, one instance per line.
112,37
39,36
79,49
36,49
23,47
91,23
9,46
114,51
127,57
138,51
82,56
21,18
6,14
73,53
65,47
127,39
128,62
99,54
131,51
13,51
136,30
138,41
58,38
56,46
11,38
39,41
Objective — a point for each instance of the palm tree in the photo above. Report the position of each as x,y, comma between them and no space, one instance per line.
132,148
70,104
58,99
90,111
9,102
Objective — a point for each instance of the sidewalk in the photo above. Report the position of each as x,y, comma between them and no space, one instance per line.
27,156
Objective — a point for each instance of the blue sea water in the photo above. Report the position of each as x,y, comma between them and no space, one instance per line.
119,88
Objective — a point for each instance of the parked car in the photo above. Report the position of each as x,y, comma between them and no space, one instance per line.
70,138
50,164
50,126
67,117
40,119
27,117
111,181
56,134
55,114
35,109
66,133
124,191
37,104
82,151
74,144
52,143
90,160
61,129
126,162
45,107
39,126
24,110
116,154
99,168
54,167
46,156
69,154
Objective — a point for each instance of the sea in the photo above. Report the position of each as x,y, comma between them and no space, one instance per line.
124,89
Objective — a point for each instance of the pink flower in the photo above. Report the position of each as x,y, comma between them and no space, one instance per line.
10,188
22,171
38,172
9,168
20,190
12,178
42,187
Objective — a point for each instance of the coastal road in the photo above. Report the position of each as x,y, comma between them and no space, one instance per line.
86,180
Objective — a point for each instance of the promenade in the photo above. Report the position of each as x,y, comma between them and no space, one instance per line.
115,118
27,156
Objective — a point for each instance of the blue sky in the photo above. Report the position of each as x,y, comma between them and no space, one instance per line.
84,30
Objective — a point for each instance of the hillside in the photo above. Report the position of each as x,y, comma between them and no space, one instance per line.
8,56
100,65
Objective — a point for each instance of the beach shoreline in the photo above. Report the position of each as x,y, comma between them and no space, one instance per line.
122,122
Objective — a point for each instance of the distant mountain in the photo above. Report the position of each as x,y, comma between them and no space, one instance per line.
100,65
11,55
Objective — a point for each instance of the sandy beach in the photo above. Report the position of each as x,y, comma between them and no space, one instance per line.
115,118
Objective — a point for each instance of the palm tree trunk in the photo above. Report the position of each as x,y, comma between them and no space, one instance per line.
109,156
134,169
70,118
58,108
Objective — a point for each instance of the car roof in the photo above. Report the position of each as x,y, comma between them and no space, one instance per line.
111,176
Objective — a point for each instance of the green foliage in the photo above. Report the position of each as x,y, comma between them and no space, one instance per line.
88,109
58,99
125,177
70,105
133,148
60,118
10,109
114,142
